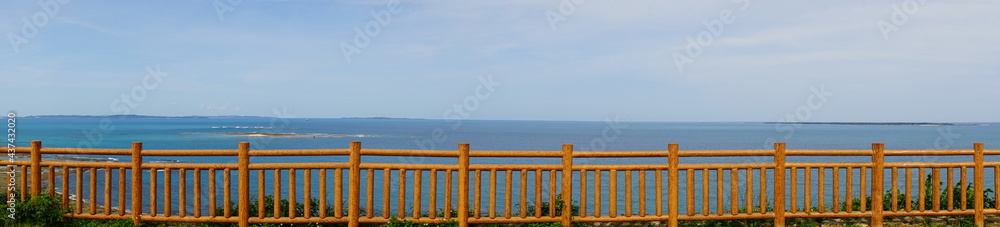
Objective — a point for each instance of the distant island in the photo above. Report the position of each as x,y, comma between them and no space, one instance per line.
383,118
134,116
876,123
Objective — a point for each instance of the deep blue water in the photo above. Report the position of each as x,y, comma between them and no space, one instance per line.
497,135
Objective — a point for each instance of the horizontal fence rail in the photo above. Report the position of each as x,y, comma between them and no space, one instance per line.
315,192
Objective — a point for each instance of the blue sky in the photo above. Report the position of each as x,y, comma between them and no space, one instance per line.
549,60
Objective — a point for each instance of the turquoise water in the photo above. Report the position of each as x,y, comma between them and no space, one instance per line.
497,135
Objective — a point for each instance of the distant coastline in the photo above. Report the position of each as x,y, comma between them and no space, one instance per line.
877,123
134,116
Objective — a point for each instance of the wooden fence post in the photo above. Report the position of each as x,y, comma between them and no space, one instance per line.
354,193
779,184
463,185
567,184
673,183
244,187
878,183
36,167
978,179
136,183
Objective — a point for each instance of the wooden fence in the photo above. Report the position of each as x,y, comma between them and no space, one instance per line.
725,190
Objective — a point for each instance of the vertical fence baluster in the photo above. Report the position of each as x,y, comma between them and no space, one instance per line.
718,191
878,181
417,181
227,199
181,193
432,199
524,193
79,190
463,185
734,191
491,210
806,191
52,182
863,189
386,176
136,183
244,184
212,195
948,186
612,193
836,189
121,190
689,188
895,192
583,193
506,192
354,208
763,190
322,194
197,192
920,197
306,193
779,184
821,189
978,179
962,194
597,194
749,190
338,192
704,191
36,168
260,193
65,190
167,197
370,191
567,181
849,202
401,200
657,190
642,193
935,189
672,183
909,189
628,193
276,196
477,194
552,193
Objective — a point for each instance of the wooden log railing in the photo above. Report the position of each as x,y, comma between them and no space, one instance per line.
515,193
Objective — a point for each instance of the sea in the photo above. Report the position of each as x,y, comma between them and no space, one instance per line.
425,134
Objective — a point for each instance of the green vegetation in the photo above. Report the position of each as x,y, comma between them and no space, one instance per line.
46,210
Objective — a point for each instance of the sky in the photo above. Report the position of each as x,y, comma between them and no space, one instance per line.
585,60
